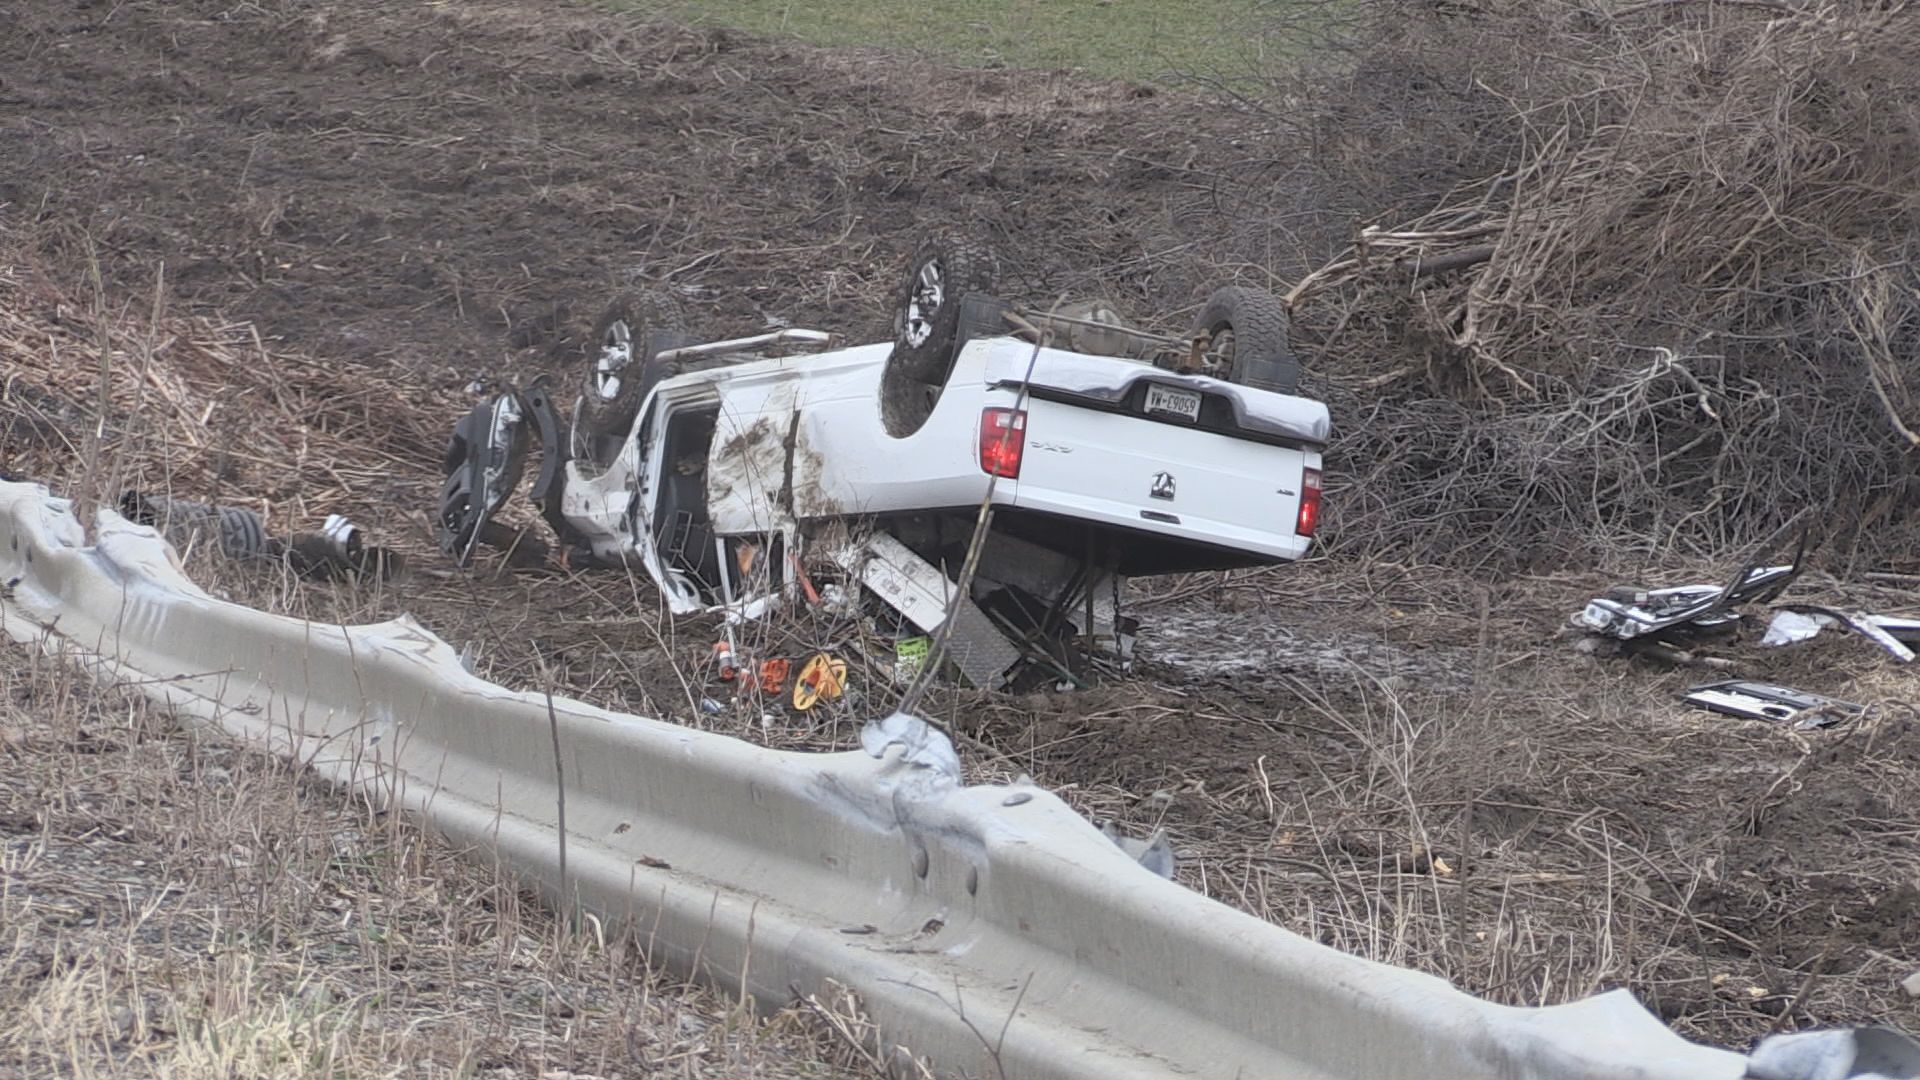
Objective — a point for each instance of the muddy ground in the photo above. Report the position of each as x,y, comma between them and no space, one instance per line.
443,184
1403,762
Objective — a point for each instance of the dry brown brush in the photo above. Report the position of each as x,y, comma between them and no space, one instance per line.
1619,274
202,407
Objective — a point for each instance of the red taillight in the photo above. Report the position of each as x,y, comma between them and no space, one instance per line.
1309,503
1003,436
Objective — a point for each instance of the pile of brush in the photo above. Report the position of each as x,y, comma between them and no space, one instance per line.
1631,275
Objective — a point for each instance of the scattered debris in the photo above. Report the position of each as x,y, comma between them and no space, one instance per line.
909,655
1800,622
483,464
1626,612
236,531
922,746
338,549
773,676
1789,627
922,593
1674,617
823,677
1670,623
1766,701
1689,612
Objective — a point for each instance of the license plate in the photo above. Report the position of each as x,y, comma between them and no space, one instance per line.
1172,402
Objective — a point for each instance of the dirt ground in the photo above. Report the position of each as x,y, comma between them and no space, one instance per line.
447,183
1399,761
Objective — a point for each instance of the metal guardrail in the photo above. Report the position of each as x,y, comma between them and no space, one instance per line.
988,928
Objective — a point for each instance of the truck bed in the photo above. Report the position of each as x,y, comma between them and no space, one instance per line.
1161,472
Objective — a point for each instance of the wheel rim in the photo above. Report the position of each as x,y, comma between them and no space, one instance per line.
616,352
923,302
1221,349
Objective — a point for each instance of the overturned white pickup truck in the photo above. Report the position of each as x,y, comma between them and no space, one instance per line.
726,482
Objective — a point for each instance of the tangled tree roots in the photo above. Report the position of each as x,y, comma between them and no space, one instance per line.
1668,296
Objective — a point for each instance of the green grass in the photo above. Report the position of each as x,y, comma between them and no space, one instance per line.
1134,39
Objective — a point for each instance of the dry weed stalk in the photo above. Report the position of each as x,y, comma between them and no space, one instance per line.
842,1013
174,905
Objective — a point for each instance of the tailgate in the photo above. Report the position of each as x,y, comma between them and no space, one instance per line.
1164,476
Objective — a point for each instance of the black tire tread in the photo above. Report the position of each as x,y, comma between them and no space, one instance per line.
971,266
1262,354
646,312
914,375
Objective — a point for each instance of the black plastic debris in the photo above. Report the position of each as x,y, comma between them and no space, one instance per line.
1692,611
338,550
484,463
1665,622
235,530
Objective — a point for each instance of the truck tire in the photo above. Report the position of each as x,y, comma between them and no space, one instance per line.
620,369
926,325
926,311
1250,327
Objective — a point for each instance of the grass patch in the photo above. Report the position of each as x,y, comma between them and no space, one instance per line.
1133,39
